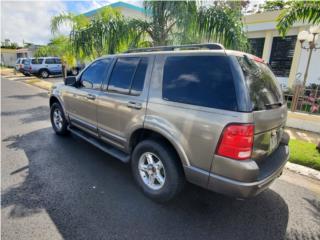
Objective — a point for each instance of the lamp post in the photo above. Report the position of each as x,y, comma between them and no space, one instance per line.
310,37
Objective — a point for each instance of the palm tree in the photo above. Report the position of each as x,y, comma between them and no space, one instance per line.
179,22
166,22
306,11
76,22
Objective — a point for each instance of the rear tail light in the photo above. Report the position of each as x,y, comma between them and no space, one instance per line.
236,141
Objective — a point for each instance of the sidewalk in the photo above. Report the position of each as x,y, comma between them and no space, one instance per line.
303,135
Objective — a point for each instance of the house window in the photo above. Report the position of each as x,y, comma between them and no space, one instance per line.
256,46
282,54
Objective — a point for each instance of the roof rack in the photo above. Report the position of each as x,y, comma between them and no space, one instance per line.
210,46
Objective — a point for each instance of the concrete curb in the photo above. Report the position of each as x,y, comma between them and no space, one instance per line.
39,83
305,171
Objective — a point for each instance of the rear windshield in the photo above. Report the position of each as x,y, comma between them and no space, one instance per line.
199,80
264,90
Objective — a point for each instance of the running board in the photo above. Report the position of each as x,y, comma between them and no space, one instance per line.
123,157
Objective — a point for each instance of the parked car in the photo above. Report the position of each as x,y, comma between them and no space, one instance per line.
20,65
43,67
200,113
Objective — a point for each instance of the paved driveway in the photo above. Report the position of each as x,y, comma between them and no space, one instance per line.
63,188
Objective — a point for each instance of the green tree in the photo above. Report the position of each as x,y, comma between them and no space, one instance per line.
306,11
166,22
274,5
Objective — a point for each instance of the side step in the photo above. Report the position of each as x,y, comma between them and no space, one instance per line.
103,146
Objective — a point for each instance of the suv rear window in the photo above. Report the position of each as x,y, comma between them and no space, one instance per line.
199,80
263,86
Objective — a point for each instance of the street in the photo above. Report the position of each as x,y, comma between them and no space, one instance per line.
63,188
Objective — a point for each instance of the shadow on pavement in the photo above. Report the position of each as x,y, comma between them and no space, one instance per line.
90,195
30,115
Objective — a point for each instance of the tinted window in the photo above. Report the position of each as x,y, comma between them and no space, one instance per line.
282,54
139,77
23,61
263,86
37,61
122,74
49,61
95,73
256,46
199,80
58,61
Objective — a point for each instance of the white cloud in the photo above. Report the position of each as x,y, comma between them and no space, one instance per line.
28,21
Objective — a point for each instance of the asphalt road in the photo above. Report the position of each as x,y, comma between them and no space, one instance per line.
63,188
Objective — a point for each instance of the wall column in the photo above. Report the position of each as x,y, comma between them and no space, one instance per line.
267,46
295,61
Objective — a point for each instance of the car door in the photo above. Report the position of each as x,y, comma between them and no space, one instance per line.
80,102
50,65
58,65
122,103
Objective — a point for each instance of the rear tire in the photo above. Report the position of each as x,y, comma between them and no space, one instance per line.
162,179
44,73
58,120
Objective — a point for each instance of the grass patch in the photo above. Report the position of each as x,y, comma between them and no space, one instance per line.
304,153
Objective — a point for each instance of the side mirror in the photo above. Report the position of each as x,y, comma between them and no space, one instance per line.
70,81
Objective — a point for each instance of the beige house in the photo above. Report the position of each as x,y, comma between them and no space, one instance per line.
285,55
10,56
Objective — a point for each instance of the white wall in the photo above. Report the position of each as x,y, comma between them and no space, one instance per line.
314,68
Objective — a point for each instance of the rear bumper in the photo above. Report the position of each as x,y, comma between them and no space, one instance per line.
268,172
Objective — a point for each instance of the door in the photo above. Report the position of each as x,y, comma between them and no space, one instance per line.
80,101
122,103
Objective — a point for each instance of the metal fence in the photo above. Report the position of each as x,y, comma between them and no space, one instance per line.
307,102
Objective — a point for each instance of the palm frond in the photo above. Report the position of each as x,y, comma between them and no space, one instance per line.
305,11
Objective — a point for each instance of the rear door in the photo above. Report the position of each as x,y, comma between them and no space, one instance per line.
269,108
122,104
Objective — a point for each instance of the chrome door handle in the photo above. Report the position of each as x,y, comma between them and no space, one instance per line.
91,97
134,105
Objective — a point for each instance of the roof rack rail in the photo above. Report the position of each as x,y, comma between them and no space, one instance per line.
210,46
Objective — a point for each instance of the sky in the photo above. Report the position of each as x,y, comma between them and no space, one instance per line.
29,21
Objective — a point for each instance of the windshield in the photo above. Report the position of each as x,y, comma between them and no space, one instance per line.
263,86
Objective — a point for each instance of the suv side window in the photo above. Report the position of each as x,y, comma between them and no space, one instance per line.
199,80
95,74
128,75
57,61
49,61
37,61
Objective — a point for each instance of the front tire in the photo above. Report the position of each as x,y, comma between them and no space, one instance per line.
156,170
58,120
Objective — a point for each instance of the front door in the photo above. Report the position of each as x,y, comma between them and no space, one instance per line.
81,101
122,103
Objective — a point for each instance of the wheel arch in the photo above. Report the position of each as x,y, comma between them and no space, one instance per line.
54,99
146,133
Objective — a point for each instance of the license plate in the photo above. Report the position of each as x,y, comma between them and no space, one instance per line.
273,140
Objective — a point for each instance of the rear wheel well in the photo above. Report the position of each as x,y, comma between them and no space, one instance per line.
143,134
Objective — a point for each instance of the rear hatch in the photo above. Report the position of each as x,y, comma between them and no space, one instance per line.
268,106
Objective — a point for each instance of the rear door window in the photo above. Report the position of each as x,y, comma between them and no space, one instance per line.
49,61
128,75
37,61
199,80
262,84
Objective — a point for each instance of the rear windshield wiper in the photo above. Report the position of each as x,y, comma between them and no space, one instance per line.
273,105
